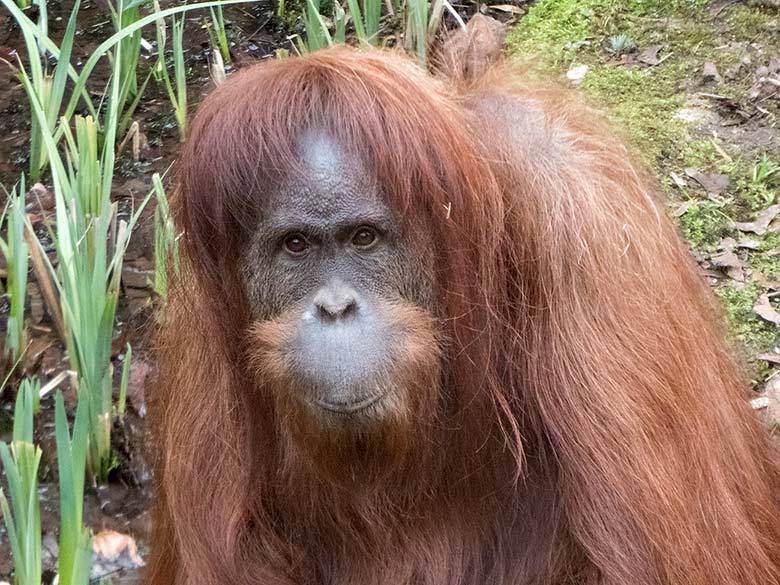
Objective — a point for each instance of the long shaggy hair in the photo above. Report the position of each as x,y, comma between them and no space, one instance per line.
596,430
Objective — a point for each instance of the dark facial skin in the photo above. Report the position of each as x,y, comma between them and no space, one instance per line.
328,255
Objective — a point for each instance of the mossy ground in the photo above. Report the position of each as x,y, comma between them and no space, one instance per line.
647,104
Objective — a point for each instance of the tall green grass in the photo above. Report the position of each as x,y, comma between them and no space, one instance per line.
166,253
177,90
218,33
14,250
420,19
75,542
89,239
22,517
49,86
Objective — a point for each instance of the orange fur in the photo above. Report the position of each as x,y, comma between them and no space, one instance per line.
596,430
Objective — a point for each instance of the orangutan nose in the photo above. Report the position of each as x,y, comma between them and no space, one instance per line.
335,301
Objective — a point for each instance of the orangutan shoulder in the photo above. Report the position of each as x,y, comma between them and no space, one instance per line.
523,125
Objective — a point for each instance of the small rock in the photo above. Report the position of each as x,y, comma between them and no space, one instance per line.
577,74
772,392
137,276
728,261
38,199
759,403
762,222
136,385
710,73
113,551
749,244
49,552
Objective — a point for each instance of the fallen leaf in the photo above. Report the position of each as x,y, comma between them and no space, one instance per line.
109,545
713,183
506,8
749,244
772,391
764,309
650,55
678,180
772,358
728,261
760,225
764,282
682,208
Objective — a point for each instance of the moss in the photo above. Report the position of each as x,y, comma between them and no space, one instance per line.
755,334
745,22
560,31
290,16
705,223
643,101
698,154
766,259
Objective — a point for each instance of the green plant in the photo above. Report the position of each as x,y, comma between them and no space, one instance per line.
176,93
20,462
33,385
90,248
88,277
422,23
764,170
366,20
317,34
49,88
122,401
90,245
218,34
166,253
618,45
75,550
14,249
123,15
34,35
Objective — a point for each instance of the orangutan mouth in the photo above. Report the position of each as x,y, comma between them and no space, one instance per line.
349,408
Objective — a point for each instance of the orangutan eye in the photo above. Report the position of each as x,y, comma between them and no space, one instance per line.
296,244
364,237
